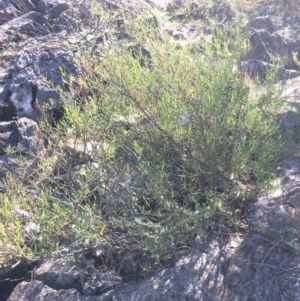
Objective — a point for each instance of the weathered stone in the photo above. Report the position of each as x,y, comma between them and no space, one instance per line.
268,23
23,6
36,290
259,70
32,24
26,92
11,274
59,274
57,13
99,283
28,143
275,37
9,135
20,136
229,268
129,265
7,12
5,164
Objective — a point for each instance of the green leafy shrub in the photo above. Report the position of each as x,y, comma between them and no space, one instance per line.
150,148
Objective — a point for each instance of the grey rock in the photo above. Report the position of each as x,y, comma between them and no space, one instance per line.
8,273
45,63
57,12
252,267
28,143
99,283
23,6
289,116
35,2
20,97
266,9
268,23
36,290
9,135
257,69
32,24
59,274
20,136
273,38
27,91
293,50
129,265
7,12
5,164
262,43
63,274
291,20
3,39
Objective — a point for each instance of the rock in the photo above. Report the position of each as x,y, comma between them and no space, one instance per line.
59,274
252,267
7,12
11,274
32,24
268,23
28,143
289,116
292,90
5,165
274,37
86,151
99,283
129,265
9,135
30,77
20,98
27,91
262,43
55,12
24,6
21,137
266,9
36,290
258,70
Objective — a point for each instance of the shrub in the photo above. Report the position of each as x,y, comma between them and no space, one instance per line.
150,147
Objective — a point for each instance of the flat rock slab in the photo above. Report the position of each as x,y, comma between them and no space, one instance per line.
251,267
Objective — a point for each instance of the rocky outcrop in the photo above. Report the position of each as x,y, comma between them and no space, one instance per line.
29,77
274,39
250,267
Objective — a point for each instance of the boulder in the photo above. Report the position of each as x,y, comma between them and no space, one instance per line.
36,290
257,69
28,142
31,24
17,137
275,38
27,90
251,267
20,136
